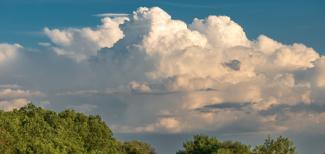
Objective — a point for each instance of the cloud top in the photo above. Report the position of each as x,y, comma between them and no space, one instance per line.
208,64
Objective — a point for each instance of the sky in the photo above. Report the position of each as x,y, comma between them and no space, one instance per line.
161,71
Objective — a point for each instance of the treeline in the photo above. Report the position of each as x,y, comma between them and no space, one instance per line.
201,144
34,130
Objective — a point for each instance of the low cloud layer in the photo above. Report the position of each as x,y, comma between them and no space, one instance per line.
14,93
165,75
14,97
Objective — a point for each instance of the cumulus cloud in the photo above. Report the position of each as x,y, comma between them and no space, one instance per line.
138,87
79,44
8,51
12,96
9,105
319,72
207,65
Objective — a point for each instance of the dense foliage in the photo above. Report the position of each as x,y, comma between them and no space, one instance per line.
35,130
32,129
210,145
281,145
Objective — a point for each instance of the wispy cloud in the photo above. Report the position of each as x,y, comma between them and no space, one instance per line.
112,15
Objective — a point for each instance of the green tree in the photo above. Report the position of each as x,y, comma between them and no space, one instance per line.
32,129
281,145
201,144
210,145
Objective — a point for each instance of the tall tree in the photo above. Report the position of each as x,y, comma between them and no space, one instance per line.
201,144
32,129
281,145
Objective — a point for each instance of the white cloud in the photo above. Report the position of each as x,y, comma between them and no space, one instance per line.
12,96
9,105
18,93
138,87
8,51
167,124
209,61
80,44
171,124
112,15
319,72
221,31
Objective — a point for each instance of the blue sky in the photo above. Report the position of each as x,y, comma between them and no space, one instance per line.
161,75
287,21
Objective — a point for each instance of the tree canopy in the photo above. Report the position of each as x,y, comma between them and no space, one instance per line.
201,144
211,145
281,145
32,129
